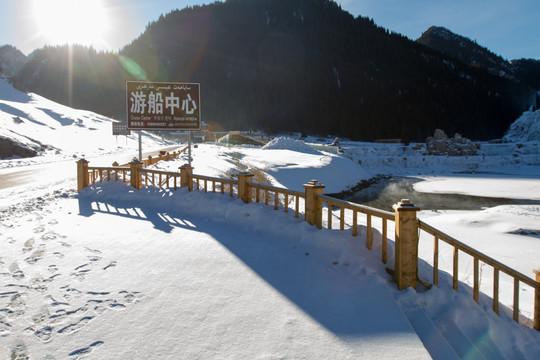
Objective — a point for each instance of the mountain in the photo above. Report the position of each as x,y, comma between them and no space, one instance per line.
464,50
289,65
526,71
11,60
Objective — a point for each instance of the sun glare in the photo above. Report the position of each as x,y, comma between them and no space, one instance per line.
82,22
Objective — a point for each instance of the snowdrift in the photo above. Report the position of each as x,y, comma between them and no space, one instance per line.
525,129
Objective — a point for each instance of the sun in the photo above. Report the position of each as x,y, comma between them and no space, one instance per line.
83,22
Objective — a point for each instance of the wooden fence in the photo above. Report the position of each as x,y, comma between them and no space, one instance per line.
406,223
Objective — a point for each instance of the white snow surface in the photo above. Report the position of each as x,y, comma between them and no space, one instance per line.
526,128
114,273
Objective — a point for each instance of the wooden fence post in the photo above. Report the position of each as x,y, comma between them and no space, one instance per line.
185,172
537,302
82,174
406,253
243,186
136,174
313,203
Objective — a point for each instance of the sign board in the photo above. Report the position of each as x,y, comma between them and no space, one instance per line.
163,106
120,129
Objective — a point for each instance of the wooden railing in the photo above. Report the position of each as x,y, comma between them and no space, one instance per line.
98,174
160,178
406,223
215,182
162,156
282,197
478,257
370,212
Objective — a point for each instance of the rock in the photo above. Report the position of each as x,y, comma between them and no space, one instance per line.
440,144
440,135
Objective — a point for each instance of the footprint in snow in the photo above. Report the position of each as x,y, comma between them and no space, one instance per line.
94,258
19,352
85,350
39,229
51,235
36,255
5,327
15,271
28,245
93,251
76,326
111,264
80,272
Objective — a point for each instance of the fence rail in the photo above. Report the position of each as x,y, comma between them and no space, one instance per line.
214,181
477,256
407,224
281,196
163,178
100,173
370,212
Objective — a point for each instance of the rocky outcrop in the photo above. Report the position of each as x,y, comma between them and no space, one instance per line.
440,144
10,148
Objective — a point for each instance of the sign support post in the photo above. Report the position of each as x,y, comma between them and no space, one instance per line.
189,147
140,146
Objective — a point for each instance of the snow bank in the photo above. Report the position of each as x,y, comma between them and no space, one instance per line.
525,129
284,143
202,275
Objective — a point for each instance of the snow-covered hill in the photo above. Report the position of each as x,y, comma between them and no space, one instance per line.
32,125
526,129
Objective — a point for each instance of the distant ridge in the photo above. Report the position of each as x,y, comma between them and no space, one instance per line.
526,71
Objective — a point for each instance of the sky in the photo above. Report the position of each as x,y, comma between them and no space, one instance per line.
508,28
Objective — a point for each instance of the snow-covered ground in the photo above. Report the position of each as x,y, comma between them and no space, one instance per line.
115,273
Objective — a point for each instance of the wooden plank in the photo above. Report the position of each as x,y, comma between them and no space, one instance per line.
329,213
369,241
355,223
516,300
384,241
476,286
435,261
496,291
455,272
360,208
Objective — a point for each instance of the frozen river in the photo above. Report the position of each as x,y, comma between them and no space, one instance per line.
460,192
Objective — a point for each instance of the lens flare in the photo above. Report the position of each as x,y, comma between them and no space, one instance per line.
132,67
